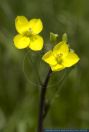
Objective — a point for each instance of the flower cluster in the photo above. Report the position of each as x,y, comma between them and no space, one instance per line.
58,58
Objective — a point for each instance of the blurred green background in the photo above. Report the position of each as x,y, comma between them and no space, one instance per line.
19,85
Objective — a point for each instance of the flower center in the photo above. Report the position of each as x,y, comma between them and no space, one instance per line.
29,33
59,58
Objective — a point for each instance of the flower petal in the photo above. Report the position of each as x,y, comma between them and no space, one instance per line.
71,59
21,24
61,49
21,41
36,26
36,43
57,67
49,58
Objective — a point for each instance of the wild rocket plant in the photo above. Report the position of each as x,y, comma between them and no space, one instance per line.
59,57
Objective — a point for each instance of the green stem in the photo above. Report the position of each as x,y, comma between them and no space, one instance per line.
42,102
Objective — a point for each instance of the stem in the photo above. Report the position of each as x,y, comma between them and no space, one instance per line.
42,102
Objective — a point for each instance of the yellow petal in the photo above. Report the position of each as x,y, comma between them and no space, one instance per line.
57,67
35,26
21,24
36,42
21,42
61,49
49,58
71,59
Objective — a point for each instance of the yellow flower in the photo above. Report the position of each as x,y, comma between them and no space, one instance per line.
28,33
60,57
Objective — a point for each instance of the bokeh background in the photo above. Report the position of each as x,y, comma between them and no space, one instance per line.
20,70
